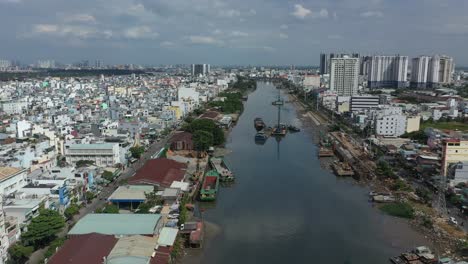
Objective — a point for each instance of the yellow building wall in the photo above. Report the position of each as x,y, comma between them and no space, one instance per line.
454,152
412,123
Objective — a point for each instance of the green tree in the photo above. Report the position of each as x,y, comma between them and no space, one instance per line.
89,196
72,210
202,140
110,209
208,126
19,254
43,228
137,151
84,163
108,176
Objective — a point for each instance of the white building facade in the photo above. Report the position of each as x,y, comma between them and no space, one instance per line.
103,155
387,71
344,73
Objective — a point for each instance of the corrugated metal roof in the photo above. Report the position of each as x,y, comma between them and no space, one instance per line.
132,249
131,192
116,224
6,172
90,248
167,236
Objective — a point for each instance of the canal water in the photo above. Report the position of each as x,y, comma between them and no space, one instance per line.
285,208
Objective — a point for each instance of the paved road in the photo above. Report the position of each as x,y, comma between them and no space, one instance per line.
106,191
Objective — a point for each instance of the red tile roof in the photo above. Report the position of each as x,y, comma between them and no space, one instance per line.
89,248
160,172
162,256
181,136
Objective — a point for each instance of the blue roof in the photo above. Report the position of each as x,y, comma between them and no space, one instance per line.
117,224
92,146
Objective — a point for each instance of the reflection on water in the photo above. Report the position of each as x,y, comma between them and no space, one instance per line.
285,208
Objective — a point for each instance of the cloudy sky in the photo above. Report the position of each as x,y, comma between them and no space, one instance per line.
229,31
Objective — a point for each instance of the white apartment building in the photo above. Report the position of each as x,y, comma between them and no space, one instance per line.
388,121
12,179
14,107
344,73
387,71
419,71
446,68
103,155
429,72
362,102
311,81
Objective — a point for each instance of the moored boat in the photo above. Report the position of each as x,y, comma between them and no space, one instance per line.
259,124
219,164
293,128
280,130
209,188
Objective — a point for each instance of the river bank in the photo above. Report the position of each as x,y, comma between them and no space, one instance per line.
435,237
284,205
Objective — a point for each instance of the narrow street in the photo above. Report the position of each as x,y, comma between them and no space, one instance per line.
106,191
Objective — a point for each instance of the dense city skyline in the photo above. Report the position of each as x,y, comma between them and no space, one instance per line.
228,32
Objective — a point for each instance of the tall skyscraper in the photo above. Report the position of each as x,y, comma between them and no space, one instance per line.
430,72
325,60
446,67
364,65
200,69
387,71
344,74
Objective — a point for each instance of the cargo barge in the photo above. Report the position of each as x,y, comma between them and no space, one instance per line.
209,188
220,166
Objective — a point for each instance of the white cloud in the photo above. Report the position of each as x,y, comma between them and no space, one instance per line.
45,28
335,16
283,36
335,36
229,13
284,26
300,11
268,48
167,44
140,32
82,32
85,18
204,40
239,34
372,14
252,12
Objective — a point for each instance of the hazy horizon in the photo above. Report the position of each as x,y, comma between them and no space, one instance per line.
220,32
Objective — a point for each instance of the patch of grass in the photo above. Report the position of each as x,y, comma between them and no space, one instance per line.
398,209
446,125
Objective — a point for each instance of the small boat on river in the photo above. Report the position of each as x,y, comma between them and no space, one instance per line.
259,124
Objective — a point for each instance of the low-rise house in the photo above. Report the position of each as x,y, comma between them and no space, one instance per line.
87,248
160,172
12,180
103,155
118,224
181,141
133,249
130,196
